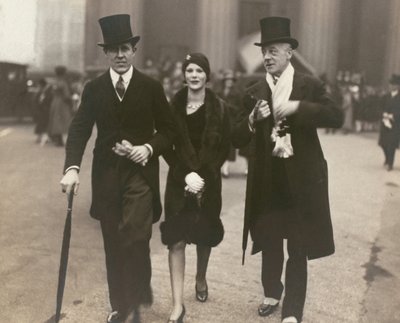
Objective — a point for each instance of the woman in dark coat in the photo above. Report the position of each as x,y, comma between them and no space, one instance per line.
193,191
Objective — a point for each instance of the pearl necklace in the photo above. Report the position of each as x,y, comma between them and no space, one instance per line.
194,106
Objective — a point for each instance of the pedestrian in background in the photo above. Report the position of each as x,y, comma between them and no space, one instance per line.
389,136
60,108
42,103
287,183
193,191
134,126
232,97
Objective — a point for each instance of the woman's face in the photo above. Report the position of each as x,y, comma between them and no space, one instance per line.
195,77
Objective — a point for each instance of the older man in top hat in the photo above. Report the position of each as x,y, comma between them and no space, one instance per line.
287,184
134,126
389,135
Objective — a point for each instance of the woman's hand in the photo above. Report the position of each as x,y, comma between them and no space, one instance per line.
194,183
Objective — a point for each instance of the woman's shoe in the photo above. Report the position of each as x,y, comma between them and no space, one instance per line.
201,296
180,318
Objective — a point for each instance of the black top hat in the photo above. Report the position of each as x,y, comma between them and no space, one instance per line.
395,79
116,30
276,30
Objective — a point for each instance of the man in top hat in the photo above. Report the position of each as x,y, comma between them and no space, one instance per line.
134,126
389,136
287,184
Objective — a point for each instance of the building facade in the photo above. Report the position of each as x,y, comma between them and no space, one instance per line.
356,35
59,34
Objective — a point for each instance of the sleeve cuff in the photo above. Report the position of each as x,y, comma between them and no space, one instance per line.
72,167
148,146
251,128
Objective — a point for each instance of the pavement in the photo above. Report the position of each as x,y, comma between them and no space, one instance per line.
359,283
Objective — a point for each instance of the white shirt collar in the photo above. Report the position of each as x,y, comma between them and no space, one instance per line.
126,76
394,93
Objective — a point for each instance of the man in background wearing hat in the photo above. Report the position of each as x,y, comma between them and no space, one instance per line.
389,135
287,184
230,94
134,126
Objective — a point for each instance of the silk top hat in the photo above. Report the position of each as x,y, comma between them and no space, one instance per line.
395,79
116,30
276,30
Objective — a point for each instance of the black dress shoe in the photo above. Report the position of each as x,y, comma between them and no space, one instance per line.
201,296
114,317
180,318
266,309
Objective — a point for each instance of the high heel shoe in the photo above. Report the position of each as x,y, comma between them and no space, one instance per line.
180,318
201,296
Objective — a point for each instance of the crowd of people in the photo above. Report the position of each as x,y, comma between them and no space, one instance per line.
55,102
362,104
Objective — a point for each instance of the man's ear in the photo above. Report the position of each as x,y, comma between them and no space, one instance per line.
290,53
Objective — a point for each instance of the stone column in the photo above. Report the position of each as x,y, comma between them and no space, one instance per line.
392,62
217,31
318,34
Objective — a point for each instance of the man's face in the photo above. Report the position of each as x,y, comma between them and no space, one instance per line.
276,57
120,57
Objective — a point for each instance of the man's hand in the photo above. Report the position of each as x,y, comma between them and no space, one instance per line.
262,111
70,179
286,109
123,149
194,182
139,154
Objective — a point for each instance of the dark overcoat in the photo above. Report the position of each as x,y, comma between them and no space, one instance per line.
142,117
183,159
306,171
390,137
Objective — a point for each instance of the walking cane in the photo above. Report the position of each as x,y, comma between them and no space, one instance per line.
64,256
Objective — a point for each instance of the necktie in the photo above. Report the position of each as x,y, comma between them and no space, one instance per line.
120,87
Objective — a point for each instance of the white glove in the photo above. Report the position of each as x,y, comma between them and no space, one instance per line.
194,182
68,181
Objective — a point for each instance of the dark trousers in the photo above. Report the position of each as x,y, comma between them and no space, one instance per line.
295,279
389,155
128,259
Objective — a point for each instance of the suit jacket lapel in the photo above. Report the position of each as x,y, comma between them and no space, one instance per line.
298,84
134,88
261,91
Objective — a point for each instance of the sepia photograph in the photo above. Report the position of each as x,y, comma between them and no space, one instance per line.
198,161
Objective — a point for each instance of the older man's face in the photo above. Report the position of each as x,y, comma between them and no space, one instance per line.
120,57
276,57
